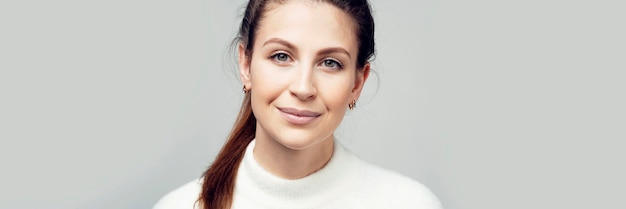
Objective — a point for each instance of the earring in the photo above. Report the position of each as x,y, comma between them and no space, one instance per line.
352,104
245,91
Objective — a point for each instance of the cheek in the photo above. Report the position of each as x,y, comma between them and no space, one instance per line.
336,93
266,84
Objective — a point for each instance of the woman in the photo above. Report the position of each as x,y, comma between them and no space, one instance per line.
302,64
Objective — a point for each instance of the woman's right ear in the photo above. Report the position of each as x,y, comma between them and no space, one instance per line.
244,67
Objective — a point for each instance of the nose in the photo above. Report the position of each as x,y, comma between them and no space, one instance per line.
303,84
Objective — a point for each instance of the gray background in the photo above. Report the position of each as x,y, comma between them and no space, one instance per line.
491,104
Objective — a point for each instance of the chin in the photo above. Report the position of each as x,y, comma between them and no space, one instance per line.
301,141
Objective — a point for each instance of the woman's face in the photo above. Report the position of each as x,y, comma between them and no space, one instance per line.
302,73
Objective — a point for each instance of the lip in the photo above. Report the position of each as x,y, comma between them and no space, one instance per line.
298,117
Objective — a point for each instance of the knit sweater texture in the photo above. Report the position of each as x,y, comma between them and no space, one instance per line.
345,182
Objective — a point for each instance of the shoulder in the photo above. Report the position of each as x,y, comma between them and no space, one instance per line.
398,190
183,197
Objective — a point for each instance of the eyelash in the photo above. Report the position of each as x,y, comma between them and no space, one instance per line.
337,62
274,56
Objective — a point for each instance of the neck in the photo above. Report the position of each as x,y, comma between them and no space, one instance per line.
289,163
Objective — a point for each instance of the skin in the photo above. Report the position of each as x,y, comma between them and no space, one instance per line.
304,59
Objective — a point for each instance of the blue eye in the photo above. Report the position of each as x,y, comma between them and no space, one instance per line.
280,57
329,63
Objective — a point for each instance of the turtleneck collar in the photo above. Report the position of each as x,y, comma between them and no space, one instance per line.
256,184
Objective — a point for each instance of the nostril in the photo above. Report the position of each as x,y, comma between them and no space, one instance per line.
303,96
304,93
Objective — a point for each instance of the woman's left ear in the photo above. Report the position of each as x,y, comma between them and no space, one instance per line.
359,82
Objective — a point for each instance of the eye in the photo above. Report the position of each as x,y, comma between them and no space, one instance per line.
280,57
331,63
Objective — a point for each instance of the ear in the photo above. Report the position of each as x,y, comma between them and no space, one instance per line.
244,67
359,82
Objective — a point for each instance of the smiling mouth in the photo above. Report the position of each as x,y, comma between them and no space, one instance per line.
296,112
298,117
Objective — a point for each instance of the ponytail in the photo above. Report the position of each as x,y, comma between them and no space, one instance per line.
219,179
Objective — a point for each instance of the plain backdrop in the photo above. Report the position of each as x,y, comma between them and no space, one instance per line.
491,104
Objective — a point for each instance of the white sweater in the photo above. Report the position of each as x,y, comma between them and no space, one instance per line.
345,182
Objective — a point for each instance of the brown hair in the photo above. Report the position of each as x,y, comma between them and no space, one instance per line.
220,177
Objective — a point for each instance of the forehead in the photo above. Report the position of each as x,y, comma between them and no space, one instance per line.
312,24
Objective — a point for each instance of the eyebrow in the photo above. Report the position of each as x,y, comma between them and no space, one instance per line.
293,47
335,50
282,42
